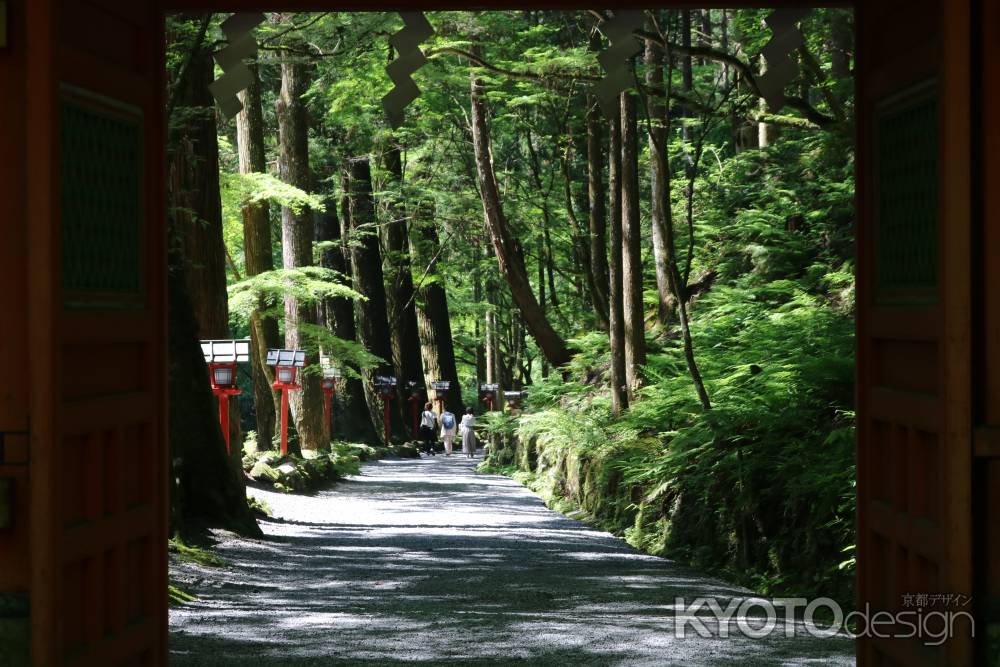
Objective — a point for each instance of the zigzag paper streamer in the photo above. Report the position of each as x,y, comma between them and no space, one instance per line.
232,59
620,31
782,68
407,44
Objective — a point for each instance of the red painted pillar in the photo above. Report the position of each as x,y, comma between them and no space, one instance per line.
284,421
224,418
328,422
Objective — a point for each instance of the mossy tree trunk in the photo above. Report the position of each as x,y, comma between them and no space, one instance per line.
206,486
616,313
366,268
197,210
400,294
258,258
635,327
297,232
433,318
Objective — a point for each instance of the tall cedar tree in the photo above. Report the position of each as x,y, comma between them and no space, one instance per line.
401,298
656,112
616,313
207,487
358,420
199,217
433,318
597,218
297,241
635,328
366,267
509,253
258,257
677,279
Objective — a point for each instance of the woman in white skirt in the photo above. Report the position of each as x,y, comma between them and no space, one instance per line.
468,433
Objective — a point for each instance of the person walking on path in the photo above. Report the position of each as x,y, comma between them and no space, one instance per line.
449,426
468,433
428,421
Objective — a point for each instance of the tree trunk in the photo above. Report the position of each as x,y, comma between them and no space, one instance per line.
597,219
677,281
358,419
433,319
258,258
480,334
616,313
635,328
198,214
366,267
510,255
658,196
297,233
765,131
841,38
206,486
402,309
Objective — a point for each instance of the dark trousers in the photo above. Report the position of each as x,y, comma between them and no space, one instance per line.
428,433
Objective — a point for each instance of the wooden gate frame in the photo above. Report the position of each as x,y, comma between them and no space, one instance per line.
36,293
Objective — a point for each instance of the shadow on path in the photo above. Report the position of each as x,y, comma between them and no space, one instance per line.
425,562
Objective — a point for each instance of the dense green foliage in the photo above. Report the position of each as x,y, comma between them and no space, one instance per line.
760,486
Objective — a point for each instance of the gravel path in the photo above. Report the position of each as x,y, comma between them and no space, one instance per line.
425,562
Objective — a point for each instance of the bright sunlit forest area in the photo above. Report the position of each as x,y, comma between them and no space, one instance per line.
659,256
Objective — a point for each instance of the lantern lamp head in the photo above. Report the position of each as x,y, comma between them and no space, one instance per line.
386,384
222,357
223,375
286,365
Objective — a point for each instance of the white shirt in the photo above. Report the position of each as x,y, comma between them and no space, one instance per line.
428,419
468,421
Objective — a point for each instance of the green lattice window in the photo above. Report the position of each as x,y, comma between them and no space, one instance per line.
907,186
100,176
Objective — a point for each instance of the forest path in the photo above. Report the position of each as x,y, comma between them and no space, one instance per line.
425,562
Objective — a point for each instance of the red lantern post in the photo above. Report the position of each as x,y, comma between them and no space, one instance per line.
386,386
488,394
286,365
329,391
441,388
222,357
514,398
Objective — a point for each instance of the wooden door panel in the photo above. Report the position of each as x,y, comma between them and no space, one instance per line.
913,317
99,473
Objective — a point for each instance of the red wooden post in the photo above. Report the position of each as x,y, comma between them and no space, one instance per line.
224,419
328,422
284,421
329,391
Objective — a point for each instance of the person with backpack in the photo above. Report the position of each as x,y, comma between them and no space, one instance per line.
449,426
468,433
428,421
